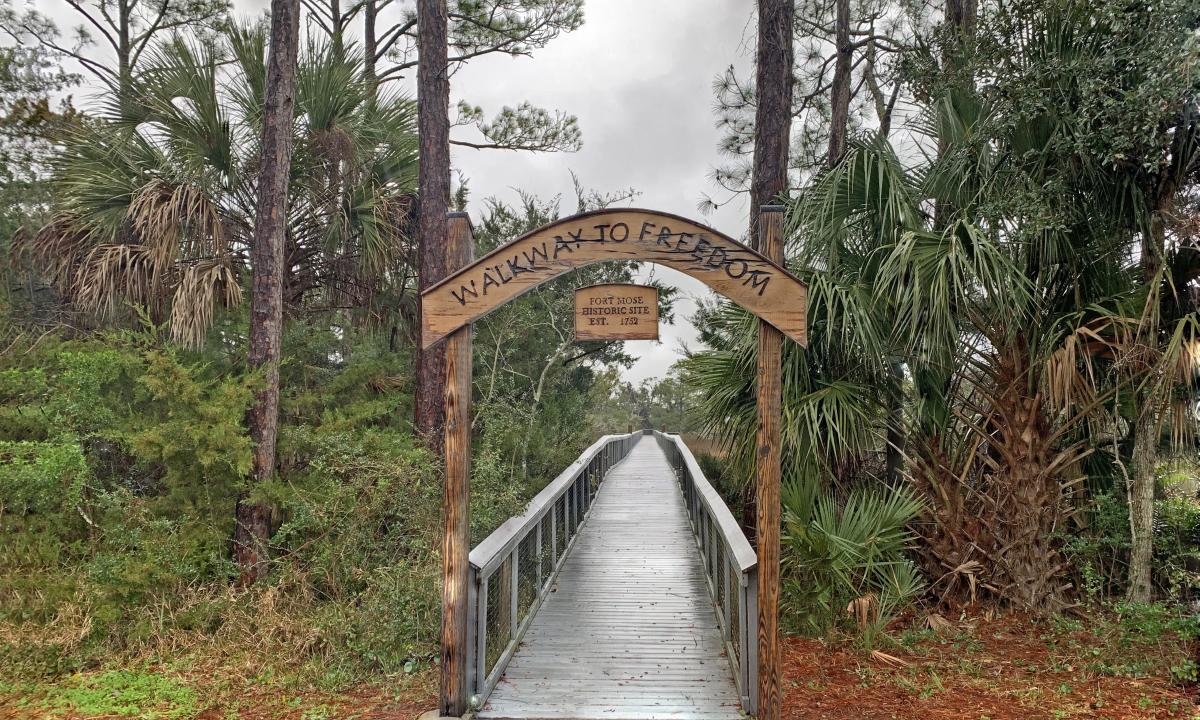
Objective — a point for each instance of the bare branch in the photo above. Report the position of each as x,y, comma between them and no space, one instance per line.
94,22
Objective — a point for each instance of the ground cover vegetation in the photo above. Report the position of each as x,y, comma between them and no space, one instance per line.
993,205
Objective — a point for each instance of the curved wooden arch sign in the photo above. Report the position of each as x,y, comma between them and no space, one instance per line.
725,265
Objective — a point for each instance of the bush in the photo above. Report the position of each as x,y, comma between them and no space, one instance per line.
1177,548
41,478
845,560
1099,547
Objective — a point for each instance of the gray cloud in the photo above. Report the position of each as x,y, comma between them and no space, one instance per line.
638,75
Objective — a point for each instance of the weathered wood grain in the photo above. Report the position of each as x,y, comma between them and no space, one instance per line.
616,312
456,498
768,470
630,631
750,279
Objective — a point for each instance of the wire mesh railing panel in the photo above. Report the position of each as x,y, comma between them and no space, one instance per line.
718,578
498,625
527,575
560,527
709,546
545,551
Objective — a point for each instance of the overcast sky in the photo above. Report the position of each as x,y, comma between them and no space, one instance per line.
638,75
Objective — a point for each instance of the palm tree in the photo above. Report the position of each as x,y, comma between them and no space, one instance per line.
157,210
969,307
1020,314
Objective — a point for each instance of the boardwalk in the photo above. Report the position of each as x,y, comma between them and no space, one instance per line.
630,632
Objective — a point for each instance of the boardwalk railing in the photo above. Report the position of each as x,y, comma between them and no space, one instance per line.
514,568
730,565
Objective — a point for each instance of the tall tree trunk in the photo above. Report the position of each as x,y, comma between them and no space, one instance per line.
1140,490
773,81
124,57
1141,482
370,47
961,16
433,188
839,115
335,24
253,526
773,112
894,452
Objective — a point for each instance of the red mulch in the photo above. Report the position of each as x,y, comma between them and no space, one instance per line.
1000,670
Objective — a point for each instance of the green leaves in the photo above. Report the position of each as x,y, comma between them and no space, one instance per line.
524,127
156,206
838,553
41,478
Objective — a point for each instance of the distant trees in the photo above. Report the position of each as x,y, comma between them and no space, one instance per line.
29,117
531,374
391,51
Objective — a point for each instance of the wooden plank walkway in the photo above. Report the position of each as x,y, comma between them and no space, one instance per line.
630,632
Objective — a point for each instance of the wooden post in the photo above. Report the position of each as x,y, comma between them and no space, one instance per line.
456,536
769,472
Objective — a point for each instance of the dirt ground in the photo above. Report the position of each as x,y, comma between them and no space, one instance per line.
1007,669
994,670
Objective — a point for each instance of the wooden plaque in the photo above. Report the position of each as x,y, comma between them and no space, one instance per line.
753,281
616,312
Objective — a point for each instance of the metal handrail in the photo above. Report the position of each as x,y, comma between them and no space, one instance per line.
504,594
730,566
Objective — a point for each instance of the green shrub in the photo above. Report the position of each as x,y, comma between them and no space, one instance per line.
844,561
41,477
121,461
1099,550
1177,547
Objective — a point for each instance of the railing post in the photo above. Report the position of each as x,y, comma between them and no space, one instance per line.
768,470
481,637
553,535
456,537
472,669
752,640
745,611
541,555
514,606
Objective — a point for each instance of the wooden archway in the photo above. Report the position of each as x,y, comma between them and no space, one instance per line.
754,280
743,275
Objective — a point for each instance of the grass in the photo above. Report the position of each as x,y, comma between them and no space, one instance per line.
123,693
218,692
